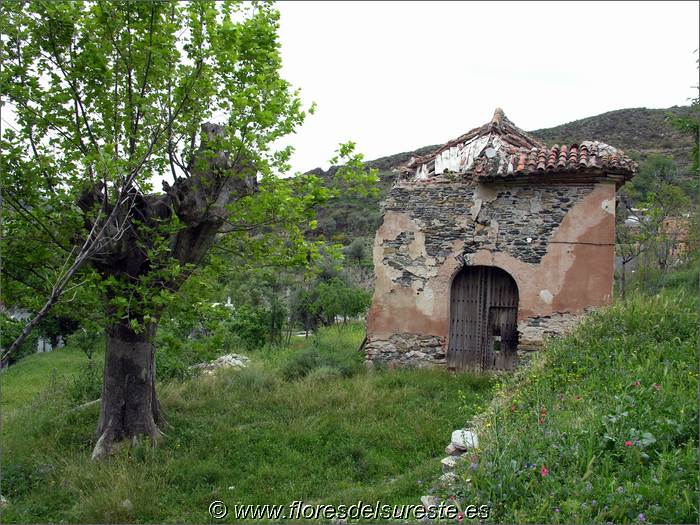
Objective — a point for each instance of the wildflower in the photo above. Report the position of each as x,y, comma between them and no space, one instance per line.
460,516
657,386
620,490
544,472
628,443
557,510
540,420
474,465
642,517
513,407
637,384
578,398
594,503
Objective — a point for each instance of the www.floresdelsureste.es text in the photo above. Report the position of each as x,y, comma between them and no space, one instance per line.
360,510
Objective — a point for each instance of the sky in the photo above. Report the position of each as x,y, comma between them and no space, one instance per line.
396,76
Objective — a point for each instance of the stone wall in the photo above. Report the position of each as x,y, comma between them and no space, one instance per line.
515,220
556,240
407,349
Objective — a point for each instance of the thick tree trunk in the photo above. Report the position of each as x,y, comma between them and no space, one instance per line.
129,406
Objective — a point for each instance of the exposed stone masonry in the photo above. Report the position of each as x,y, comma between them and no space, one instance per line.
413,350
519,220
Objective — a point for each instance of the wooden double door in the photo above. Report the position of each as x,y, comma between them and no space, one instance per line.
483,320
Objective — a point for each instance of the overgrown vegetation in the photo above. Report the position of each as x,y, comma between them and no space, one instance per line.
339,434
603,427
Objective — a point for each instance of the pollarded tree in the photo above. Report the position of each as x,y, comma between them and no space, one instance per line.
110,96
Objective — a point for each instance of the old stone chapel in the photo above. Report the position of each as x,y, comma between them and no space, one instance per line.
490,243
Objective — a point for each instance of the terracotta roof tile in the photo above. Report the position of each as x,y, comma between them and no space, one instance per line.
501,149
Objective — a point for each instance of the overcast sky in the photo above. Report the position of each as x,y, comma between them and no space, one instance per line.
395,76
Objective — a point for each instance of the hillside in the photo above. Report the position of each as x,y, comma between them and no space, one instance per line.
640,132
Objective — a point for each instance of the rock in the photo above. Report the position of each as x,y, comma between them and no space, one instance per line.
3,502
450,462
464,439
127,505
225,361
451,450
429,501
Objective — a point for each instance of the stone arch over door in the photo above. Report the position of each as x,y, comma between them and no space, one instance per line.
483,320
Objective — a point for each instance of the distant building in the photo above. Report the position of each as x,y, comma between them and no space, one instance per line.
489,244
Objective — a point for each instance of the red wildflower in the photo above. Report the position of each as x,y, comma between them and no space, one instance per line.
513,408
637,383
460,516
578,398
541,421
657,387
544,472
628,443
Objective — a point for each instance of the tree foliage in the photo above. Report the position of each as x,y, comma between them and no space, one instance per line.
111,97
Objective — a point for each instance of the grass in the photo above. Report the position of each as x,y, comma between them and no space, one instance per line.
24,381
335,434
604,425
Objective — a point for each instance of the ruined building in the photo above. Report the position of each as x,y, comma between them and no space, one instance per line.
490,243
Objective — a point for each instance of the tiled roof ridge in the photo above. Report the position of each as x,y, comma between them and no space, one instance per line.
500,148
499,125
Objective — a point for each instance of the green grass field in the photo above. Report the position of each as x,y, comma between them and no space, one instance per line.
22,382
337,435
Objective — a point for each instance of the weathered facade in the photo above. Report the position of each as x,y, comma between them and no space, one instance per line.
489,244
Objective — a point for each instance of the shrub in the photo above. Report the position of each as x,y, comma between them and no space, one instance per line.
251,326
301,363
86,385
255,378
322,374
328,348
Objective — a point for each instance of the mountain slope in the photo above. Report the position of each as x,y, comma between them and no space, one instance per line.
640,132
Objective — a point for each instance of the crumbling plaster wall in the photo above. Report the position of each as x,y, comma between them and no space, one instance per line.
556,241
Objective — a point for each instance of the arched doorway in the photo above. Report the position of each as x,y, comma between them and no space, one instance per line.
483,320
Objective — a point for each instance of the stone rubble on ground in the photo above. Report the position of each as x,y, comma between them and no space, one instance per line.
236,361
451,450
464,439
457,452
448,478
450,463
